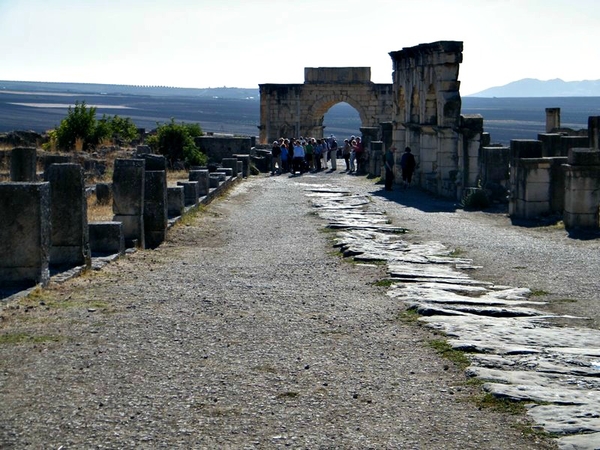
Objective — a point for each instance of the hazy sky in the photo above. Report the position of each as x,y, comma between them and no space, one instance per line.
243,43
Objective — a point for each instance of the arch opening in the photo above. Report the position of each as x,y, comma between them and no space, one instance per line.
342,120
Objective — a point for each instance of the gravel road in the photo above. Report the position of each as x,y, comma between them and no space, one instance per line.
247,330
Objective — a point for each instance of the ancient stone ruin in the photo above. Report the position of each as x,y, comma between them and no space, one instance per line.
421,109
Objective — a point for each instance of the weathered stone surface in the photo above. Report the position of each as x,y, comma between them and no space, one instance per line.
155,207
509,339
203,178
175,201
103,193
106,238
191,192
25,229
68,205
23,164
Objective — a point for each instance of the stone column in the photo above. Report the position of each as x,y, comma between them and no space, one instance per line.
24,234
550,144
594,132
128,199
155,207
70,244
230,163
191,192
369,134
386,133
23,164
376,167
552,119
106,238
175,201
246,164
582,189
202,177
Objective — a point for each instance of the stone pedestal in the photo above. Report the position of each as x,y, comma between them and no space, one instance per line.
128,199
103,193
376,167
230,163
594,132
24,234
569,142
23,163
70,239
552,119
106,238
202,177
155,207
175,201
245,159
582,189
550,144
191,192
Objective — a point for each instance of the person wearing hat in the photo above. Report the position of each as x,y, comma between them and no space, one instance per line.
388,160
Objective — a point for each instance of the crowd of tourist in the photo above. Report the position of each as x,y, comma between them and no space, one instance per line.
313,155
302,155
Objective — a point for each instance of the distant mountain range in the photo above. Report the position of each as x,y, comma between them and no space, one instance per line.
531,87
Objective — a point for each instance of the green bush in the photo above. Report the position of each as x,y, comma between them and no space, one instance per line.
176,143
81,130
79,125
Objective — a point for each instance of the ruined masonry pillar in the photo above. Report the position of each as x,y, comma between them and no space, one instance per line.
155,207
376,166
128,199
70,244
202,177
231,163
190,192
245,159
594,132
24,234
175,200
582,189
23,164
552,119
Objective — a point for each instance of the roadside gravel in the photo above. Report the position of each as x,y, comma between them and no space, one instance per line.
244,330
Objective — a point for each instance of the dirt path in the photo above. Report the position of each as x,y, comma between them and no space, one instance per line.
245,330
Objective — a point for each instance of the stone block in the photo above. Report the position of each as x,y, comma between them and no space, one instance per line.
155,208
525,148
191,192
155,162
569,142
175,201
594,132
68,205
25,229
133,229
240,168
202,177
245,159
584,157
550,144
214,180
55,159
23,164
103,193
230,163
128,187
106,238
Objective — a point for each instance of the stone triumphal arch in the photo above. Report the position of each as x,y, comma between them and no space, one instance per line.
293,110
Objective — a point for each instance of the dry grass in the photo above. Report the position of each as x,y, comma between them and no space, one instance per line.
173,176
98,213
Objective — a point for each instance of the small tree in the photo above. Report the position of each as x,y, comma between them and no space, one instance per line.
176,142
80,124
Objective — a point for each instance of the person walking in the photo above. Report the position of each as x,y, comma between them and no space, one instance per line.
276,158
333,149
408,164
346,154
388,159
